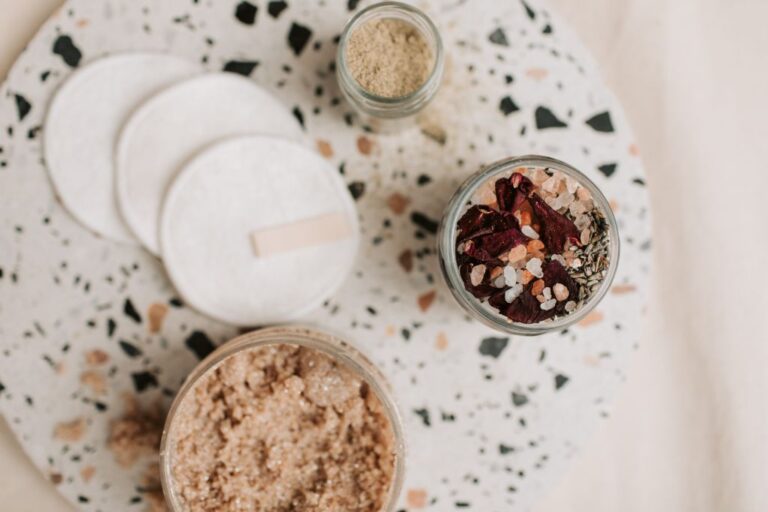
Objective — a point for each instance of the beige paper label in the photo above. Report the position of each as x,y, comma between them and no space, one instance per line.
320,230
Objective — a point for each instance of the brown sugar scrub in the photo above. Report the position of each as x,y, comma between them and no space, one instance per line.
281,427
389,57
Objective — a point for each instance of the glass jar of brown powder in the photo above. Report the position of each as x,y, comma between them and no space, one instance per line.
390,63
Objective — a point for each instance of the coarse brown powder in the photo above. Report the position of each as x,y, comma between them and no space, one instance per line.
282,428
389,57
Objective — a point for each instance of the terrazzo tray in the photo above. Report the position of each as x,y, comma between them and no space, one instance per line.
491,421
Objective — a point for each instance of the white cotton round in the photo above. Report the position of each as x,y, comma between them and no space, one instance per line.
248,185
177,124
82,126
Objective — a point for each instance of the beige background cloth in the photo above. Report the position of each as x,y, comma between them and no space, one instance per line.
690,428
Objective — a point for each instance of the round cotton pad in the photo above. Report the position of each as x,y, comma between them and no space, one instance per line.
177,124
258,230
82,125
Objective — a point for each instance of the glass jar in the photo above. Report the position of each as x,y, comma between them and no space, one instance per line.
328,344
382,113
447,235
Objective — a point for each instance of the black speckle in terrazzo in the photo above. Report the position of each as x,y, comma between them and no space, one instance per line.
462,504
143,381
111,327
547,29
130,349
276,7
44,76
608,169
32,132
299,116
83,499
246,13
186,21
601,122
519,399
560,380
66,49
130,311
424,222
424,415
508,106
22,106
504,449
357,189
639,181
176,302
546,119
493,347
528,10
423,179
199,343
298,37
352,4
2,388
499,37
241,67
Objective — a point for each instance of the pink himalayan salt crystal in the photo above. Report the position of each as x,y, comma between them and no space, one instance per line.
477,274
561,292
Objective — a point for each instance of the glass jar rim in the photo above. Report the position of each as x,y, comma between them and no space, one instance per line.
305,336
449,263
437,68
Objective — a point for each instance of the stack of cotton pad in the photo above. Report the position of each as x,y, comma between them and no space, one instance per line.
83,123
208,172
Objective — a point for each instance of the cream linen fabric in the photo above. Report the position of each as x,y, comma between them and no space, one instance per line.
690,429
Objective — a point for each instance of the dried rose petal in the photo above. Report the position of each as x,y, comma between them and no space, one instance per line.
482,220
490,247
505,194
497,300
512,192
526,309
522,183
477,218
556,228
480,291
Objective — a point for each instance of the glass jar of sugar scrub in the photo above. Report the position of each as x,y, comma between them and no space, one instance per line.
390,64
528,245
292,405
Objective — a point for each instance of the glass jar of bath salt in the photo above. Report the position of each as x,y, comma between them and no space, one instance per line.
390,64
528,245
292,405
